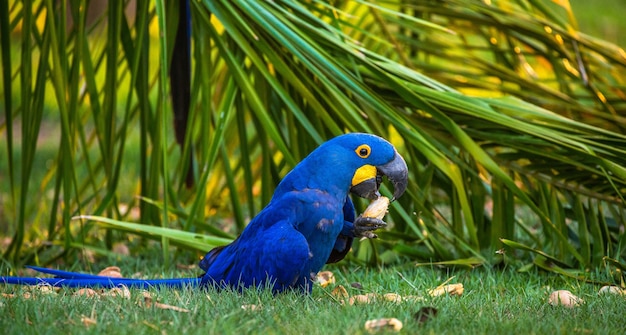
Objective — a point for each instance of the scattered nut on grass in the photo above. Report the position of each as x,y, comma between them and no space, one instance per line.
611,290
325,278
564,298
87,292
120,291
393,297
362,299
385,324
340,292
377,208
45,289
111,271
359,299
452,289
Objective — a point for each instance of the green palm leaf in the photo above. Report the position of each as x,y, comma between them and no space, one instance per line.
510,118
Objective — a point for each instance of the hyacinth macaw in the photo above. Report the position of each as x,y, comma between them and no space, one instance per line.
310,221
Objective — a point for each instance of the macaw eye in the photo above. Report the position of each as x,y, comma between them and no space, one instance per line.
363,150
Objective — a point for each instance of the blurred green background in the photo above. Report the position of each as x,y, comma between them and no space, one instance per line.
603,18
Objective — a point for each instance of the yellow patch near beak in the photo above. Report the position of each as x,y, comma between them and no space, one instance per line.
364,173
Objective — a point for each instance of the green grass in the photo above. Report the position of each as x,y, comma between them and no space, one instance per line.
494,302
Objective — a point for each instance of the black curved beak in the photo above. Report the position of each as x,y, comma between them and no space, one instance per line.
396,171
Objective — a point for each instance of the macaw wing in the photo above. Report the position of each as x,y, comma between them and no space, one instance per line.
273,254
344,240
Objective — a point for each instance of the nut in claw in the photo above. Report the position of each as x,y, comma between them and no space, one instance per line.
377,209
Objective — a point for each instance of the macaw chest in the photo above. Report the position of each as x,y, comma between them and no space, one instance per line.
320,226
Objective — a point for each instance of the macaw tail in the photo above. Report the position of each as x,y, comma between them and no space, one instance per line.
75,279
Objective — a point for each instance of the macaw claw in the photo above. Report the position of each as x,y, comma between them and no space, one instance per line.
364,226
372,218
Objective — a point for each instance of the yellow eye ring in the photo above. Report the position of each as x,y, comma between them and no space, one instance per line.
363,151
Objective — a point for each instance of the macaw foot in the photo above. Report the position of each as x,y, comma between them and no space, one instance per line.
372,218
364,226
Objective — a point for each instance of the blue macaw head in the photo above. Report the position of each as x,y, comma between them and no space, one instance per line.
358,161
375,158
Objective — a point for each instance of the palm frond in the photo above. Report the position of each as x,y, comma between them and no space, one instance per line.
510,119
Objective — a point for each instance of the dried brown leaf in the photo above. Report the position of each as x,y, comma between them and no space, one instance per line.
148,302
170,307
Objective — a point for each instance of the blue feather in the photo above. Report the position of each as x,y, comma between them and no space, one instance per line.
76,279
103,282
